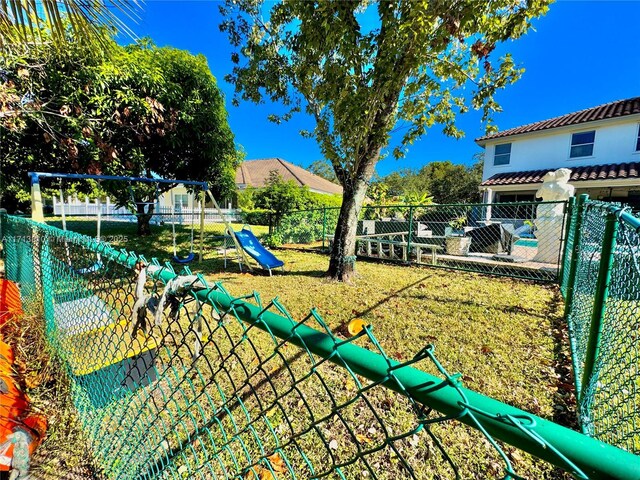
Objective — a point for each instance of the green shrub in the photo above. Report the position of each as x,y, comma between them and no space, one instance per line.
306,226
315,200
273,239
257,216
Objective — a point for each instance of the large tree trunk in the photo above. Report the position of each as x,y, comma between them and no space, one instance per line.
144,217
343,254
354,184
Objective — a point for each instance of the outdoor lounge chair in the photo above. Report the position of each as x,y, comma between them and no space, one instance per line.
494,238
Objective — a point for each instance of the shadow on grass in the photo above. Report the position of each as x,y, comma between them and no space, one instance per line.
306,273
507,309
235,401
436,299
343,326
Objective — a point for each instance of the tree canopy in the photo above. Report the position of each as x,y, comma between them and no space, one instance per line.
360,68
140,111
323,169
444,182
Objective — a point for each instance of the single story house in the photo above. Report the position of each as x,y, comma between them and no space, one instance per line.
255,173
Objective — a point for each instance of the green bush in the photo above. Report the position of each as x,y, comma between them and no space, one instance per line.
273,239
315,200
257,216
306,226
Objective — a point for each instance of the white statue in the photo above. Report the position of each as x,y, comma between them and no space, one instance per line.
549,216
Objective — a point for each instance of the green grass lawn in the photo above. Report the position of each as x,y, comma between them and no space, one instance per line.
497,332
160,243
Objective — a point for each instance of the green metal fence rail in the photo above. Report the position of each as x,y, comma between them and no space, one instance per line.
520,240
173,377
602,298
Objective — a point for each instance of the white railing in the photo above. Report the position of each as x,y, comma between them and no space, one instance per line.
73,207
211,215
181,216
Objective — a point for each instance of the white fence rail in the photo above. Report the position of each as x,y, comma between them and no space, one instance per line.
75,207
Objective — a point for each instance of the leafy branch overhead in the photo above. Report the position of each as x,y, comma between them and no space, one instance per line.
30,22
363,68
139,110
359,68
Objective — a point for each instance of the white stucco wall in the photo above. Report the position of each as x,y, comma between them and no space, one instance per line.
615,142
165,199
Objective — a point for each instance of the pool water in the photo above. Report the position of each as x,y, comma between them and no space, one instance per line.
527,242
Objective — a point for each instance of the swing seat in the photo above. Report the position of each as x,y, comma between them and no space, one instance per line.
93,268
188,259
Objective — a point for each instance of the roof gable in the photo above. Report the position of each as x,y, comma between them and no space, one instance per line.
620,108
256,173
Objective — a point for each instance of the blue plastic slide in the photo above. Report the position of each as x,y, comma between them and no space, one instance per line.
256,250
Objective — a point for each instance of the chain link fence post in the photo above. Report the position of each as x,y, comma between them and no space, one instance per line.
600,298
573,266
324,225
410,234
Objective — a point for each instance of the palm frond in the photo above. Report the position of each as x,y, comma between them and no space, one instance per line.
24,21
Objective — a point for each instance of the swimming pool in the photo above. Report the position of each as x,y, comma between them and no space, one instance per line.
527,242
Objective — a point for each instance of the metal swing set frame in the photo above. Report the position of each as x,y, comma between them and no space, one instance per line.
37,211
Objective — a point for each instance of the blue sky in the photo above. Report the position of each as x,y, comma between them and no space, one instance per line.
581,54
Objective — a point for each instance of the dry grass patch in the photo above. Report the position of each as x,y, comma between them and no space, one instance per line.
63,452
497,332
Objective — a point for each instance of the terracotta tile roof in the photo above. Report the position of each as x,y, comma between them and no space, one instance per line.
619,108
255,173
593,172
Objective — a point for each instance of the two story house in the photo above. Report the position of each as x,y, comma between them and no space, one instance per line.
600,145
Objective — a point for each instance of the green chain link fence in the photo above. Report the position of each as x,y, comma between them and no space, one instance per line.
520,240
306,227
173,377
569,241
602,299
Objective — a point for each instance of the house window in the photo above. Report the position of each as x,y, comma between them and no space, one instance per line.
522,212
502,154
582,144
515,197
181,200
638,140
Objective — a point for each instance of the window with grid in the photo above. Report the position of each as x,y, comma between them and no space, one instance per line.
502,154
638,139
582,144
181,200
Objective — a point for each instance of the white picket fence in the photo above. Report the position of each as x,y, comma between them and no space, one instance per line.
182,216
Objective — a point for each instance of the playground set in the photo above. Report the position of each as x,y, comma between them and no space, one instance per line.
242,242
202,384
